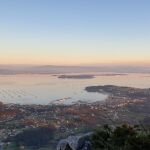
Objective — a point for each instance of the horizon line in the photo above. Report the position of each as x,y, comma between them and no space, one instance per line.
91,65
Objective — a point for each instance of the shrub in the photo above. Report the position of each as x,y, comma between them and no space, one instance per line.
124,137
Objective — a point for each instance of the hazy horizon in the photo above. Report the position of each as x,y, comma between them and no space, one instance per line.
64,69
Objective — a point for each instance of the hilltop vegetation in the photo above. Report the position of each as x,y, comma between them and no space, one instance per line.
123,137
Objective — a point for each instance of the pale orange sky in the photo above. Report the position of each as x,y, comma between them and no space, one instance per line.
67,60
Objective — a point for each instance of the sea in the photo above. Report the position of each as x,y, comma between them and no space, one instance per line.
47,89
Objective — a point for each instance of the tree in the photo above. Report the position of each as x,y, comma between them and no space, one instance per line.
124,137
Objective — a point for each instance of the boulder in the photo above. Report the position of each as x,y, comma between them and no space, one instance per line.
80,142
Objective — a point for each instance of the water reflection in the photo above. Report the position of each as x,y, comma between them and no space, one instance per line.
44,89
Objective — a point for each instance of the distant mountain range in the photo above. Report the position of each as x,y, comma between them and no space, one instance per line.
52,69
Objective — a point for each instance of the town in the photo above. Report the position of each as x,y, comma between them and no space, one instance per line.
123,105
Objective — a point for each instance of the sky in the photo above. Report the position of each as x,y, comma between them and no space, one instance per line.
74,32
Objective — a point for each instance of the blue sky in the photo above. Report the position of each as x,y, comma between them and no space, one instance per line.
74,31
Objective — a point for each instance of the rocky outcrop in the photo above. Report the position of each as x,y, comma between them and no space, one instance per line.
81,142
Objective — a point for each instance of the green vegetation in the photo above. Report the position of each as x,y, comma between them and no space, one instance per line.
124,137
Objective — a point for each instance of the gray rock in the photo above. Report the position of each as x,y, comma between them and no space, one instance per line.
81,142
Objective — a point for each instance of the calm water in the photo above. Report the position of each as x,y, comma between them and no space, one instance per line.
43,89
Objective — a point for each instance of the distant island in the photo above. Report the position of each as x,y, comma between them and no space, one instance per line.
76,76
111,74
88,76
